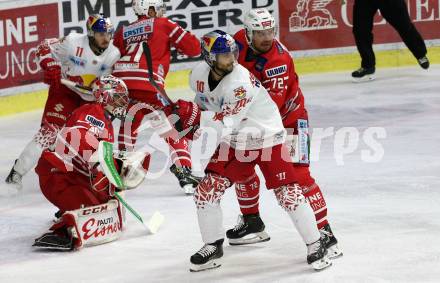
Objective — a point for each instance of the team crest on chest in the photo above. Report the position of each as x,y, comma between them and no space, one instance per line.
240,92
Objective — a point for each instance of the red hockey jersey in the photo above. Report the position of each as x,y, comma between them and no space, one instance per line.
276,71
78,140
161,34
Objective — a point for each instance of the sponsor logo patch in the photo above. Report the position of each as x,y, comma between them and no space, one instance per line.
95,122
279,70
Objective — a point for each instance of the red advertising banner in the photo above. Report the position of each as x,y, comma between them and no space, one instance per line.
21,30
320,24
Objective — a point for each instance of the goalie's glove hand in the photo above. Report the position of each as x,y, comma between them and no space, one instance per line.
189,114
101,184
52,72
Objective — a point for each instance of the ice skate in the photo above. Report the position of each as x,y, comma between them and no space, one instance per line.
317,255
364,74
249,230
187,181
207,257
330,242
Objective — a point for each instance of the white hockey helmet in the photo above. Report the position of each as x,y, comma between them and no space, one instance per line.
258,19
141,7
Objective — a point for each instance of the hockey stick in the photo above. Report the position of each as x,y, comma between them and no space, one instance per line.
105,153
147,54
85,89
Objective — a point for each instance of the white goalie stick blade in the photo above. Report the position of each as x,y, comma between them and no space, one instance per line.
155,222
321,264
252,238
213,263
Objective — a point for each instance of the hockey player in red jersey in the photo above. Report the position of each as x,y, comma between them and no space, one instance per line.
76,57
72,178
271,63
160,33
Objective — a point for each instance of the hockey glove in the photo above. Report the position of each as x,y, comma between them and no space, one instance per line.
52,72
189,114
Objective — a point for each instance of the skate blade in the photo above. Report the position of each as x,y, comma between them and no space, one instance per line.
189,189
214,263
334,252
46,246
321,264
364,79
253,239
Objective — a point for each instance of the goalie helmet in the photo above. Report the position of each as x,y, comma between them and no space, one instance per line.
257,19
98,23
217,42
110,90
141,7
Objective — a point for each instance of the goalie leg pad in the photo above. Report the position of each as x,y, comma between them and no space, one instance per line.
93,225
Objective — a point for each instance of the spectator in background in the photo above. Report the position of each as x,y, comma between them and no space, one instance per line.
396,13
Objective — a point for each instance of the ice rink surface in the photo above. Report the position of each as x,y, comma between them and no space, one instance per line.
384,210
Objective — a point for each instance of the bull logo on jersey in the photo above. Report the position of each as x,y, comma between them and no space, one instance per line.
240,92
312,15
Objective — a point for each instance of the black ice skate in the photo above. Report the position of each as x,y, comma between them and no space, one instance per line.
317,255
187,180
53,241
249,230
14,178
207,257
423,62
364,74
330,242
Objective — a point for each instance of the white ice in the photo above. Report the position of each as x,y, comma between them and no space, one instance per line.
385,213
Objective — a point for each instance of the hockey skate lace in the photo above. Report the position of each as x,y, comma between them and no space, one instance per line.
326,233
207,250
240,223
314,247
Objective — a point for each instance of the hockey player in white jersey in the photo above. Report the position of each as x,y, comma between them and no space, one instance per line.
254,136
80,58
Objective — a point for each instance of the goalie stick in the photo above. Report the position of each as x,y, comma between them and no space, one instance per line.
105,153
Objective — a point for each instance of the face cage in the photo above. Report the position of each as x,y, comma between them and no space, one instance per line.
119,100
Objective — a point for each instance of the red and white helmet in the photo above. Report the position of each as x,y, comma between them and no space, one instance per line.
258,19
141,7
110,90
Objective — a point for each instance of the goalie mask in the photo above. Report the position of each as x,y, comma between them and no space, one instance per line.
111,92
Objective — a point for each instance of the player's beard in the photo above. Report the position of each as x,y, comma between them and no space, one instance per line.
224,71
264,47
98,50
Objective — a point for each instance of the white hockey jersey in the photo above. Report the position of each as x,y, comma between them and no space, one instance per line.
79,63
250,118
